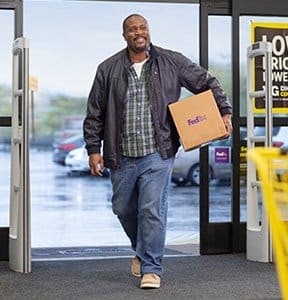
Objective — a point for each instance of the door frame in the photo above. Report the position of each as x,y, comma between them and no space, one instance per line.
230,237
215,238
5,121
276,8
226,237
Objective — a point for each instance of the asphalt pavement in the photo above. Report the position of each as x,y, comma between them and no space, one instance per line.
75,211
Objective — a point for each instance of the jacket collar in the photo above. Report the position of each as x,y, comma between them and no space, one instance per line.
153,51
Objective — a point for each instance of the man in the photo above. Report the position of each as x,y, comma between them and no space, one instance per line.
127,109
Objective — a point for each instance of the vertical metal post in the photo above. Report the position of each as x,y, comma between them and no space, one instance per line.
20,212
268,96
258,234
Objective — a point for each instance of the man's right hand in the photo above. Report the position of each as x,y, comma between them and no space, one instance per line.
96,164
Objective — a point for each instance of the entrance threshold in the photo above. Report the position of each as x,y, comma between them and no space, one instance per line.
105,252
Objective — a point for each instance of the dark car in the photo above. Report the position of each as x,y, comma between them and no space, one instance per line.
62,149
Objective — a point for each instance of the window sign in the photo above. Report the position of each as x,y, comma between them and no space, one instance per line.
277,34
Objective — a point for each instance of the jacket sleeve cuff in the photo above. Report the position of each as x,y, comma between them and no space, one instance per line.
226,111
93,150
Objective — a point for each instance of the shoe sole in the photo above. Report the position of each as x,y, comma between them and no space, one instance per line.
150,286
135,274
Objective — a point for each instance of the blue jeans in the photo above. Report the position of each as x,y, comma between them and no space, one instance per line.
140,200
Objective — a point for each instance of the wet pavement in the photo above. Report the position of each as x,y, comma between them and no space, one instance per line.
75,211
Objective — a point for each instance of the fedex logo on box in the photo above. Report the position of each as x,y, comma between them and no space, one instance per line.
197,113
198,119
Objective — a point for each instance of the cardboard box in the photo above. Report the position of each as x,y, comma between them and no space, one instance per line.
198,120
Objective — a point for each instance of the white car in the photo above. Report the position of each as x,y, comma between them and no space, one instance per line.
77,162
280,135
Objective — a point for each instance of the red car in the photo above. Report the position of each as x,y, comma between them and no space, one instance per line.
62,149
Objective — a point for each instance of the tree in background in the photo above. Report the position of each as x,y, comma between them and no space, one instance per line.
62,111
60,108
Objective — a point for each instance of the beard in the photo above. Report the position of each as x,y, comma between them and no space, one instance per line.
139,45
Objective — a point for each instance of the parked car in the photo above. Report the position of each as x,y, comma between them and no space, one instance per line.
77,162
63,148
187,164
280,134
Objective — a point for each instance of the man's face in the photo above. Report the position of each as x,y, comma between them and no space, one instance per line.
137,34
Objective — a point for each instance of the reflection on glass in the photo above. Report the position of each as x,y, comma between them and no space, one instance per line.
220,181
220,51
220,151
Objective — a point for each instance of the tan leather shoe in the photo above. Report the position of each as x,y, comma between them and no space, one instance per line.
150,281
136,267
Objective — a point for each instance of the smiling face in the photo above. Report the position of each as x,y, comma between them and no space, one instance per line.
136,33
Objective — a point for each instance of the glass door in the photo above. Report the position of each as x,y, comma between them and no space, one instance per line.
10,19
226,232
216,168
6,37
71,210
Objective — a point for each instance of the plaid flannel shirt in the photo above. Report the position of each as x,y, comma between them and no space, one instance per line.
138,137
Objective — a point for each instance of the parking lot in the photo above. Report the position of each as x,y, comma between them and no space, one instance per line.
76,210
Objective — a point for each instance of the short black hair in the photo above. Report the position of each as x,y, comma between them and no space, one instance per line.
127,18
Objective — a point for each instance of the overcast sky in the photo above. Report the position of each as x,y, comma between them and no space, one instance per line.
68,39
